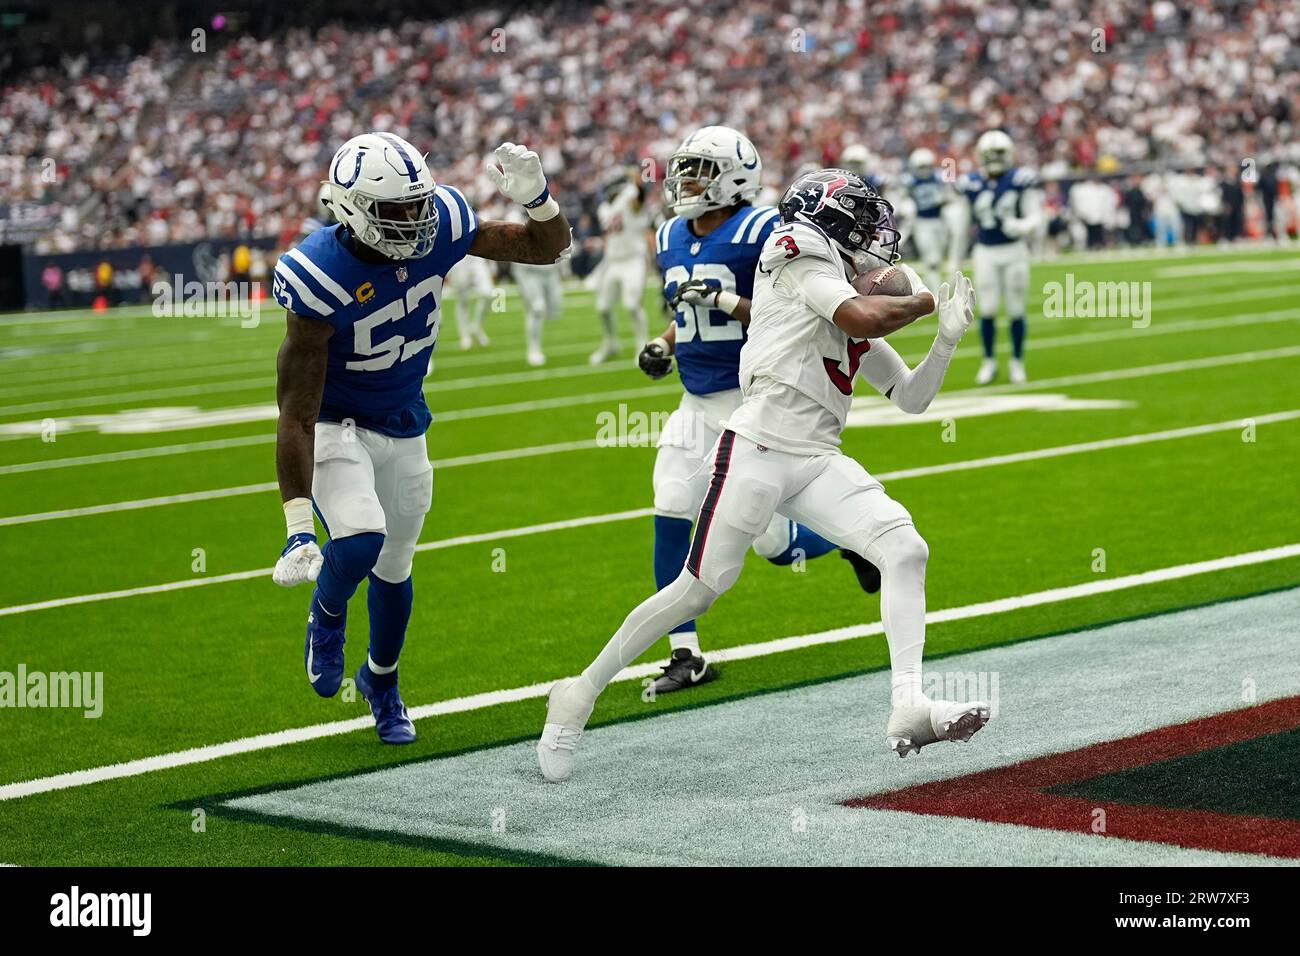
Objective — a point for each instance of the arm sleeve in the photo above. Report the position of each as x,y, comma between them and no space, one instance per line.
911,389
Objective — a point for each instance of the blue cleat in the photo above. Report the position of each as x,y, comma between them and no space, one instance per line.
391,720
324,653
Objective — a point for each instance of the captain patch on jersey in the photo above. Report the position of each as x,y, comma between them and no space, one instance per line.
386,317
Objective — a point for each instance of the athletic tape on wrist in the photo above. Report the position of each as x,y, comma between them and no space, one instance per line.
298,517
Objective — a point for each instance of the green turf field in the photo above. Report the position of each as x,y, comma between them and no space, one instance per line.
172,599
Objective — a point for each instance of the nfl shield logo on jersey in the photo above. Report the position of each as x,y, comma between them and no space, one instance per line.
401,273
695,248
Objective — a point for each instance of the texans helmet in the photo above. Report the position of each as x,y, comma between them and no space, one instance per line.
856,218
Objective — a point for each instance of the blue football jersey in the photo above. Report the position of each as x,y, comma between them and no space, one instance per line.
928,193
709,340
385,318
994,200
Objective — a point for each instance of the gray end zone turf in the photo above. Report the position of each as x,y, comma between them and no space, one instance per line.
758,780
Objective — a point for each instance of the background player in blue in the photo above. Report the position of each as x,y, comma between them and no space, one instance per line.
364,308
1007,208
929,194
707,253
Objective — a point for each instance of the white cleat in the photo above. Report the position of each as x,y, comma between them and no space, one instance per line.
988,372
606,352
535,357
466,343
912,726
481,338
566,716
1017,369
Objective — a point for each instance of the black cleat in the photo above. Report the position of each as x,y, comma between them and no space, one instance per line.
868,574
683,672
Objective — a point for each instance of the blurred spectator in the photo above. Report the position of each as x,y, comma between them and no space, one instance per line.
167,147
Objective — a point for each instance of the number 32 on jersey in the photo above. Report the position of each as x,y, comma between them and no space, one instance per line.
710,325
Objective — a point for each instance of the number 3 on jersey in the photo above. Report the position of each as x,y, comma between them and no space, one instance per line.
710,325
857,348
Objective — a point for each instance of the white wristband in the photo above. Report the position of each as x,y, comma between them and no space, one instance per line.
726,301
547,210
298,517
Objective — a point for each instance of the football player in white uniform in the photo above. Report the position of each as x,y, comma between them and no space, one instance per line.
1007,207
542,289
469,284
810,334
625,221
708,253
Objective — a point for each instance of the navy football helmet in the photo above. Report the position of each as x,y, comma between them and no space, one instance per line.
856,218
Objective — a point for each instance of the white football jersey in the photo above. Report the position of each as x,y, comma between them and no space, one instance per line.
797,367
625,226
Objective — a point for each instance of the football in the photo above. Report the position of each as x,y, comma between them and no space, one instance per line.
883,280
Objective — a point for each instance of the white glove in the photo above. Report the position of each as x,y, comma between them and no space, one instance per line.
517,171
300,561
956,308
1017,228
918,284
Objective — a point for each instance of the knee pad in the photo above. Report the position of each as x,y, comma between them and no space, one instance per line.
902,548
777,539
673,499
393,563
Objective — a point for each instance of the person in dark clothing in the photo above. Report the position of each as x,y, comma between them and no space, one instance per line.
1232,215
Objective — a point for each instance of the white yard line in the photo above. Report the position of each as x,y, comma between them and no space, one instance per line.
195,755
595,398
588,520
111,507
516,377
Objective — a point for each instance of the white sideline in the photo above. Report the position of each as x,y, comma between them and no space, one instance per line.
589,520
194,755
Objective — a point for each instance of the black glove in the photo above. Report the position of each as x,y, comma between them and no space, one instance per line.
694,292
654,358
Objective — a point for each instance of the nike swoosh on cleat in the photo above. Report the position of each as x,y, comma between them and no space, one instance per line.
696,677
311,652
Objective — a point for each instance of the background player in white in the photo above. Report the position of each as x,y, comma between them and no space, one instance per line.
928,194
469,285
625,219
810,334
364,309
708,253
1007,208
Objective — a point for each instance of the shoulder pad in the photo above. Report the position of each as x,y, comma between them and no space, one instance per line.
795,240
1024,178
755,224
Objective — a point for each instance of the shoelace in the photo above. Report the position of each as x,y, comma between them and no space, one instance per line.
567,739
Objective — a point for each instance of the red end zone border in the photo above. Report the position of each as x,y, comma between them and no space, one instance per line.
1015,794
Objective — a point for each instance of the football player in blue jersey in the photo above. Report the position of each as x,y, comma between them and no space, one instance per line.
1007,208
364,309
929,194
707,253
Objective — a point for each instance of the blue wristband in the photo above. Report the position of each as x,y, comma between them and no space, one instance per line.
297,541
546,194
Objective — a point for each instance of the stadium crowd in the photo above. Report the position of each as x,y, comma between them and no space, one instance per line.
1195,100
